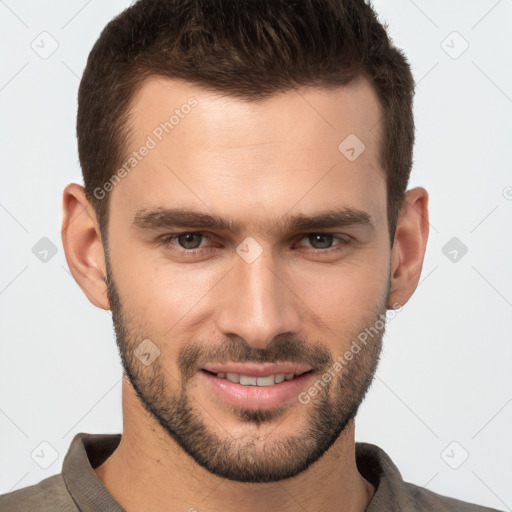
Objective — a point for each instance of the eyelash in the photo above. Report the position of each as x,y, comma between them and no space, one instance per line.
167,239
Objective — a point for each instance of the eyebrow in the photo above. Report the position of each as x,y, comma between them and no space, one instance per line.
178,217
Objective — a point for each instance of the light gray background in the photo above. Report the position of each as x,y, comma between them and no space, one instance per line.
445,372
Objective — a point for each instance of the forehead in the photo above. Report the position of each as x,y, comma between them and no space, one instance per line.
220,119
298,149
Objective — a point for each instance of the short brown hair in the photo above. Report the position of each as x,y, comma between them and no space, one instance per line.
248,49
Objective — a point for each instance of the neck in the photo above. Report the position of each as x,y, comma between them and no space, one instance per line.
149,471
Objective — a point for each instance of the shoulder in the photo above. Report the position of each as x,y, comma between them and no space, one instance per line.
426,500
49,494
393,493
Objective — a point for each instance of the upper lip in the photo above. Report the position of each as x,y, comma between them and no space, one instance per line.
258,369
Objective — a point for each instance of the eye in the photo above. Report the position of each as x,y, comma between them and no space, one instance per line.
323,242
188,243
189,240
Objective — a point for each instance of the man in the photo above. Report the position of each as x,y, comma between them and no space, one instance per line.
245,218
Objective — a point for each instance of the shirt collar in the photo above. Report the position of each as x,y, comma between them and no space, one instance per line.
87,490
391,492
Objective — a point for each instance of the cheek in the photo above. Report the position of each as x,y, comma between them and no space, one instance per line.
165,299
349,291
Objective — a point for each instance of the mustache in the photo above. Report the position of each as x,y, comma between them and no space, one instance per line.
194,355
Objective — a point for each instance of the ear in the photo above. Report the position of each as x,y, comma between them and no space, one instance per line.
83,248
409,247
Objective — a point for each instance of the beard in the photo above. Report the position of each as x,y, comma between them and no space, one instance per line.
253,457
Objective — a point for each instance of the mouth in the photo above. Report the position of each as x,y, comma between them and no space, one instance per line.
256,392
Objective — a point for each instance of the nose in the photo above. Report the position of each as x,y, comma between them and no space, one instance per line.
257,302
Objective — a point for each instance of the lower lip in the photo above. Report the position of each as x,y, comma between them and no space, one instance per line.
257,397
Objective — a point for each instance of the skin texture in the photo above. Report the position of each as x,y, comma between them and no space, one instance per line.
254,163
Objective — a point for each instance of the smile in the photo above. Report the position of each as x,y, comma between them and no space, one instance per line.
256,392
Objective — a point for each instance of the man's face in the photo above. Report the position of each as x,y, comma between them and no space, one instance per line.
270,290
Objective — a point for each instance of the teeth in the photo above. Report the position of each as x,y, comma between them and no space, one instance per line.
247,380
265,381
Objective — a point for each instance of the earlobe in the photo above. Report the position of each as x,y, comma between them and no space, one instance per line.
409,246
83,246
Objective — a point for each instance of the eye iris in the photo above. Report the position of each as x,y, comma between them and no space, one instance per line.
188,237
314,238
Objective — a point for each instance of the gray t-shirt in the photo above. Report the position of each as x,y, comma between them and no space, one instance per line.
78,488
